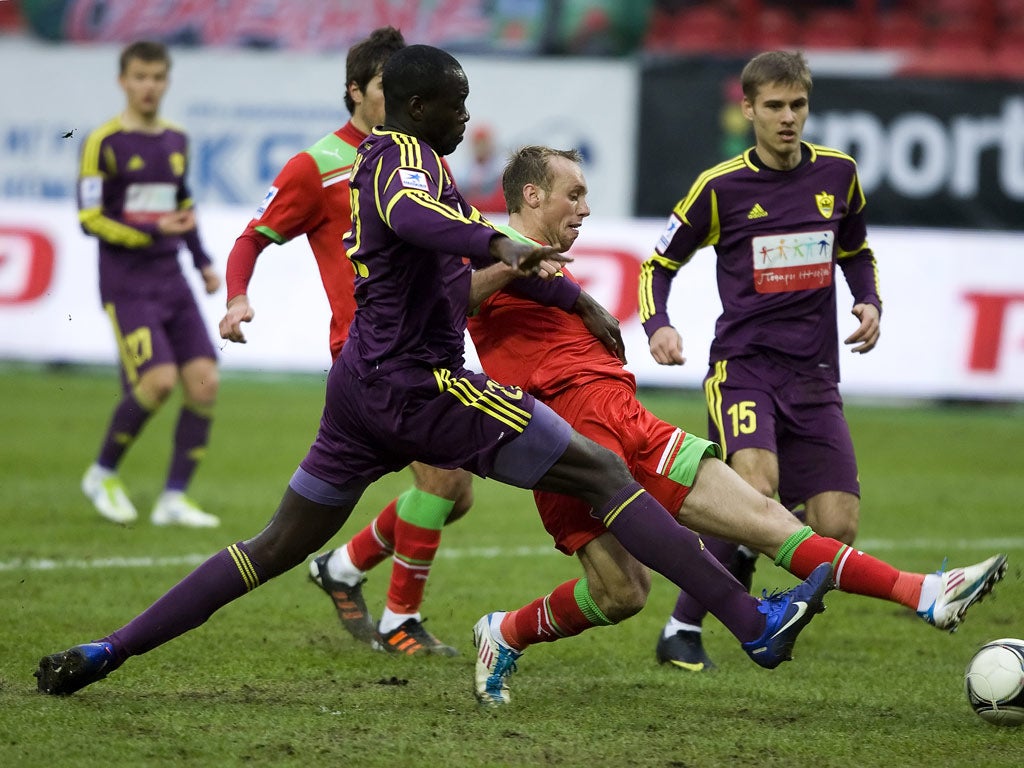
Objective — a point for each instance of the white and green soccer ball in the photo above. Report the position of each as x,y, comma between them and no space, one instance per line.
994,682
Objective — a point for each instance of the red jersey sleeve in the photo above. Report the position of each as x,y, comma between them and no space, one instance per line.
294,203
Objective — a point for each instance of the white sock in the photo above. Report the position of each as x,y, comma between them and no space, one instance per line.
929,591
390,621
340,568
675,625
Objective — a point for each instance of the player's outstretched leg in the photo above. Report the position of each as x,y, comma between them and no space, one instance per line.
495,662
61,674
348,601
786,614
959,589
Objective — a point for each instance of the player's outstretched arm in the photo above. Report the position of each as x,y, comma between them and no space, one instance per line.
525,258
495,277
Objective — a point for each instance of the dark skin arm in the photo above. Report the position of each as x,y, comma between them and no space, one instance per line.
602,323
524,258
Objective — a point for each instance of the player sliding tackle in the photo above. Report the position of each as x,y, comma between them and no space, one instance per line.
554,357
400,376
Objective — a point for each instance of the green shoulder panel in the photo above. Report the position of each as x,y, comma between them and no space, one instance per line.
332,156
505,229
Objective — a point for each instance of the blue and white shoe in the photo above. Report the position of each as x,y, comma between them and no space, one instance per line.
959,589
495,661
787,613
61,674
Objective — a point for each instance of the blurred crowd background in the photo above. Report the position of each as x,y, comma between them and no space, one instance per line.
926,95
970,37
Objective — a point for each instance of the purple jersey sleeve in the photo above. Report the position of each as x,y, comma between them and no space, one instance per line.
855,258
423,208
686,231
556,292
551,293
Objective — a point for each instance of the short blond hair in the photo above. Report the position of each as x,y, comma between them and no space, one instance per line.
529,165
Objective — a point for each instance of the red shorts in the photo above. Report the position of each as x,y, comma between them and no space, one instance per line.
663,458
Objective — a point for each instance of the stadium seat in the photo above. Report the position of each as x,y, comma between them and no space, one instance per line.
657,31
10,17
961,24
776,29
899,29
1008,54
835,28
704,28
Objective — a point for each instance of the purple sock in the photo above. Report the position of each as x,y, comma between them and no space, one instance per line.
649,532
190,438
227,575
125,425
688,609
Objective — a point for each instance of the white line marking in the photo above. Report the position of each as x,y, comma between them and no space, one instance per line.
940,546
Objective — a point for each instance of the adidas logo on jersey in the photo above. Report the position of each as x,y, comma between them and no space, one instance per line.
136,163
757,212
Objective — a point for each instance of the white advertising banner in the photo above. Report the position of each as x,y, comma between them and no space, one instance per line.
247,112
953,321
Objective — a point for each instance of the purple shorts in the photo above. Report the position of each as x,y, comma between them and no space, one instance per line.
757,403
443,418
155,330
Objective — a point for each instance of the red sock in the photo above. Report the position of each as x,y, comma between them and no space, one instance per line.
856,572
415,548
546,619
375,542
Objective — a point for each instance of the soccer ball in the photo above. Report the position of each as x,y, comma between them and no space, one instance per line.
994,682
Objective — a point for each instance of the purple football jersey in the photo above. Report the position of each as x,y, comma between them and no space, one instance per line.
127,180
778,236
411,293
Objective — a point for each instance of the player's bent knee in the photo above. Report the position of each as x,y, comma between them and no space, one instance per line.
841,530
155,392
624,602
462,506
452,484
299,527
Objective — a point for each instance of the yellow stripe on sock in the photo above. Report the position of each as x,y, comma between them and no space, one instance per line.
245,567
610,517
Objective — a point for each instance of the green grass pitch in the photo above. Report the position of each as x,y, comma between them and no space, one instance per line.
271,680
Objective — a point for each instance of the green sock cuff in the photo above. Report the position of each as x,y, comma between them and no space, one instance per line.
424,510
586,604
789,546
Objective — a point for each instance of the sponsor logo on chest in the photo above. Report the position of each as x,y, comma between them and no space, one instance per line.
792,262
